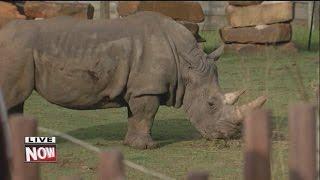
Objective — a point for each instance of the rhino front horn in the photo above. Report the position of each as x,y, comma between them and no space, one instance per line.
215,55
231,98
244,109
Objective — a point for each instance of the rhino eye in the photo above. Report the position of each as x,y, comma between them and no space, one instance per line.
212,105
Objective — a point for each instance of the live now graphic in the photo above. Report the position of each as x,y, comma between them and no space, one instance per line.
40,149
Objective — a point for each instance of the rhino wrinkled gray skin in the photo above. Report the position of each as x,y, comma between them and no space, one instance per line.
139,62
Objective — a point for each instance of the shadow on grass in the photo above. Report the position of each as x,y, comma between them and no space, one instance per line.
163,131
279,128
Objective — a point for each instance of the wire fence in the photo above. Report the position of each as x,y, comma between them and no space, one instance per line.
257,139
97,150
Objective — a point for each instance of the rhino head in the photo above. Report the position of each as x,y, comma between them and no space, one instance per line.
212,112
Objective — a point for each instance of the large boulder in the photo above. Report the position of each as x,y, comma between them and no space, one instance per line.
38,9
274,33
185,13
269,13
244,3
180,11
8,12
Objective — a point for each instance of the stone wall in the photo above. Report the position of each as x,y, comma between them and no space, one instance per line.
257,26
215,14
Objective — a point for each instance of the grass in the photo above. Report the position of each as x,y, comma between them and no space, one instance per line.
182,149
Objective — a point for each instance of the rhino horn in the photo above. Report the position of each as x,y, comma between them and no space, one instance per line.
231,98
244,109
215,55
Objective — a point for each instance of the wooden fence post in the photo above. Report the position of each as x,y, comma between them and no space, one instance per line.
21,126
111,166
302,134
198,176
4,158
257,134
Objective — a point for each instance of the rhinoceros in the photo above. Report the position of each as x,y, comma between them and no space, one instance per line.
140,62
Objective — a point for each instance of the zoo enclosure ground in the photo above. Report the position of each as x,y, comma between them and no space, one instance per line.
182,148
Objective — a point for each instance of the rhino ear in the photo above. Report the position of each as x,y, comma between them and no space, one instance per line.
215,55
188,60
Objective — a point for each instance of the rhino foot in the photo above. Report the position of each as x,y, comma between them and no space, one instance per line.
140,141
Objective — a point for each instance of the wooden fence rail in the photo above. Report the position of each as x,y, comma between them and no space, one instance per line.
257,138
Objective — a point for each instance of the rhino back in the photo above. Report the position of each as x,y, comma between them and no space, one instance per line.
82,64
76,61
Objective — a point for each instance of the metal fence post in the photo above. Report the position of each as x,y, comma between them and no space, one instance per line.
111,166
104,10
257,134
310,20
21,126
302,134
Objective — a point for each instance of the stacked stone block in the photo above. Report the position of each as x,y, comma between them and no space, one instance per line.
8,12
38,9
43,10
185,13
258,25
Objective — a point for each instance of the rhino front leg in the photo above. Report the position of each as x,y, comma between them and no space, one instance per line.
141,113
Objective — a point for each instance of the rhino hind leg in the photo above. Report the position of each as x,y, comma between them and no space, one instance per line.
141,113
